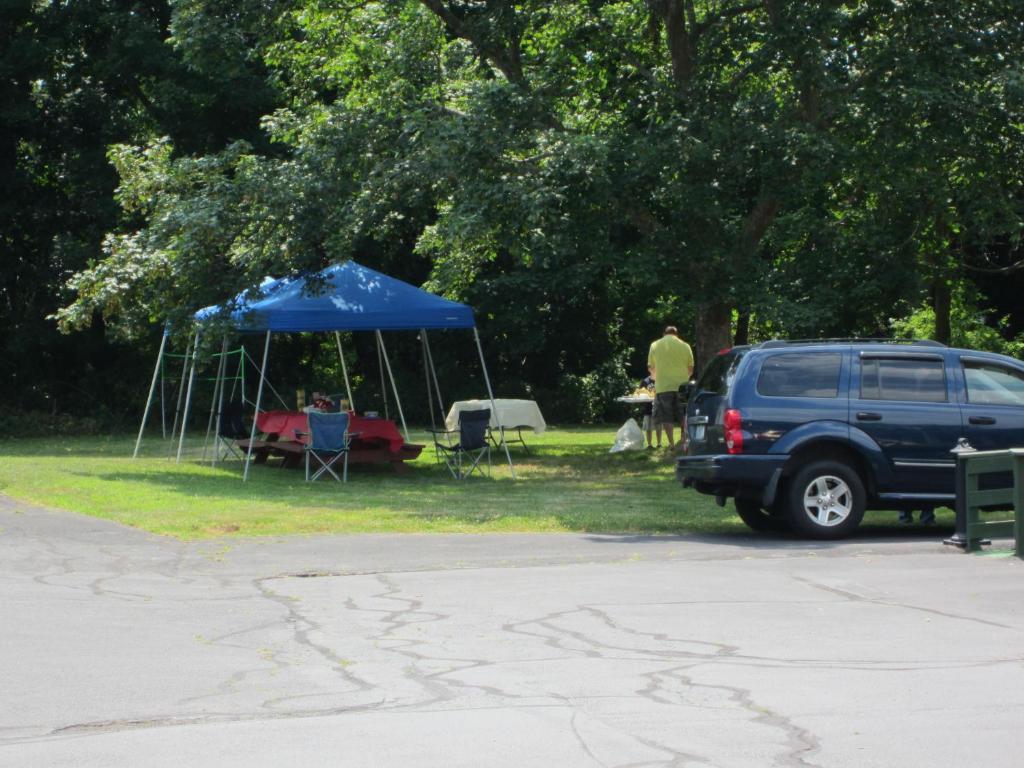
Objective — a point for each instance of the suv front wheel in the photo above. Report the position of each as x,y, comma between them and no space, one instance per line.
825,500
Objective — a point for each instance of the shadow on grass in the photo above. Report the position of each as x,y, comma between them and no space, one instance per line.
563,453
569,482
556,464
420,485
571,494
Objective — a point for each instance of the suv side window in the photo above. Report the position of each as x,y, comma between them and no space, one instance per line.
800,375
991,384
908,379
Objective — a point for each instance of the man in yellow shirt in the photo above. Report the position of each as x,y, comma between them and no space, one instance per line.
671,363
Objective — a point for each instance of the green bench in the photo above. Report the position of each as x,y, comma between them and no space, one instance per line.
981,522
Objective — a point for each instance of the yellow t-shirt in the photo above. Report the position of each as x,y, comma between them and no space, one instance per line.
672,359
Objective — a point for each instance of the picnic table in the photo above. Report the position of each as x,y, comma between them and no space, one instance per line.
512,415
286,436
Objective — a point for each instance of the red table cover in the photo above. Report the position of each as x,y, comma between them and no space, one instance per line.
284,423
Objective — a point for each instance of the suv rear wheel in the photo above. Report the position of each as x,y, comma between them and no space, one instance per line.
758,518
825,500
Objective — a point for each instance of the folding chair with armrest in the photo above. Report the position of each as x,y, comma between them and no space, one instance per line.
464,457
329,440
230,427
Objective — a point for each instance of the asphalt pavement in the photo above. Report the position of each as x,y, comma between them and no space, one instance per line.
121,648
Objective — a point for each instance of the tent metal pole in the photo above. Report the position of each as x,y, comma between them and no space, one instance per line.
383,386
344,372
188,397
278,396
398,402
163,400
220,406
218,385
152,389
239,372
181,393
490,395
259,398
433,371
426,375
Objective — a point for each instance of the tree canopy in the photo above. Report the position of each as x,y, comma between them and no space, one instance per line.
581,171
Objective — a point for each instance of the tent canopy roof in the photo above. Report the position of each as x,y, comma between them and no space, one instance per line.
342,297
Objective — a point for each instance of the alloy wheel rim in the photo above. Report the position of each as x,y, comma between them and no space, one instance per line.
828,500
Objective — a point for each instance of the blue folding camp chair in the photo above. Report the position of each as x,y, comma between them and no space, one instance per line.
464,457
329,441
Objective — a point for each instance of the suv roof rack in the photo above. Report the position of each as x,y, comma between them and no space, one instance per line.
850,340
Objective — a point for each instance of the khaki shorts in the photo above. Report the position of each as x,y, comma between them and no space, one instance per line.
666,408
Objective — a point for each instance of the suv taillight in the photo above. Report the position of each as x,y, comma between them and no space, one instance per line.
733,433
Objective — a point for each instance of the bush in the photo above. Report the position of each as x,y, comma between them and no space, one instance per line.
16,423
590,398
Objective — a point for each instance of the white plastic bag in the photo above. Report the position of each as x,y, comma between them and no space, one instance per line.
628,438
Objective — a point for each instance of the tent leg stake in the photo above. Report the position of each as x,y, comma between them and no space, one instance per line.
344,372
380,365
259,398
181,393
152,389
163,402
218,387
490,395
188,397
274,391
426,375
239,376
398,402
220,402
433,372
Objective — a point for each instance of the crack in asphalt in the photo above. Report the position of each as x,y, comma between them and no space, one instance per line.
801,740
856,598
574,726
302,627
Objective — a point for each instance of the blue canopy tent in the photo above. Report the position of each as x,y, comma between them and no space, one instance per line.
342,297
345,297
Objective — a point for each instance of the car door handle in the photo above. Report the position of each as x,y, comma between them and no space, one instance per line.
868,416
697,420
981,420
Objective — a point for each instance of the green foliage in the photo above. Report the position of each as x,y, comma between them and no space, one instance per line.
973,326
590,397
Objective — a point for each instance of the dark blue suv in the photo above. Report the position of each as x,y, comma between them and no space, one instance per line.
811,434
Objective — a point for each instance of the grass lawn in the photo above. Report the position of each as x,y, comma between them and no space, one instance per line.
571,483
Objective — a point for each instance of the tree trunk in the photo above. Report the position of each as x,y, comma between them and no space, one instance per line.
680,45
742,328
941,303
711,332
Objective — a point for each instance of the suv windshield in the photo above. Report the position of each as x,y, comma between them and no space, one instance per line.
718,376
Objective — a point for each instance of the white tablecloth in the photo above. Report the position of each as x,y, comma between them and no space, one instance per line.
511,413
